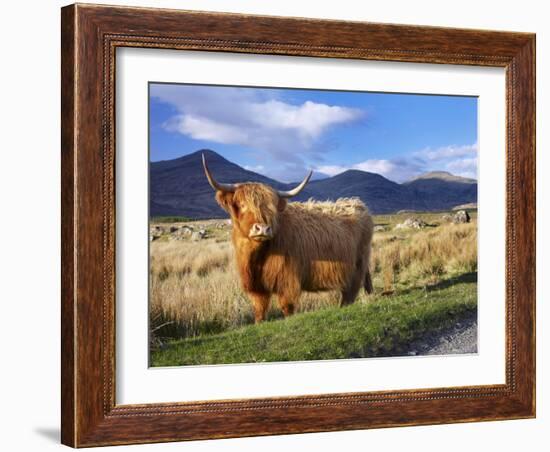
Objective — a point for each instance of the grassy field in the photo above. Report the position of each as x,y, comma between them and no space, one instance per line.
424,280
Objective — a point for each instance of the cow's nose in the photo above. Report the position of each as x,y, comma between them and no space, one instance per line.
261,230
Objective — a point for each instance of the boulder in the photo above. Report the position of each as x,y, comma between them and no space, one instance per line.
182,232
198,235
462,216
412,223
155,232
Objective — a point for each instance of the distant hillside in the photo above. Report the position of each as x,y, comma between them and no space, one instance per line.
381,195
179,187
468,206
443,190
444,175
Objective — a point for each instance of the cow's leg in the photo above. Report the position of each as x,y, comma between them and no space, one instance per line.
261,305
350,292
288,298
287,305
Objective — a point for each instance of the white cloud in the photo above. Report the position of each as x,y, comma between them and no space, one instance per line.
309,119
463,167
459,160
398,170
200,128
447,152
331,170
377,166
252,118
255,168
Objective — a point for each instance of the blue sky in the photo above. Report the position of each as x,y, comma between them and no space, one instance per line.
282,133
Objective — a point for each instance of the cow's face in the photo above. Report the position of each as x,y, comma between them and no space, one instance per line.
254,207
254,210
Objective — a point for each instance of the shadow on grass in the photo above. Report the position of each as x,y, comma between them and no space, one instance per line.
464,278
444,284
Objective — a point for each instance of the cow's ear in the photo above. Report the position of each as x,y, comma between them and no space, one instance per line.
225,200
281,205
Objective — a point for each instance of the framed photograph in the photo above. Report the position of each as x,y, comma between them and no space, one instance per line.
282,225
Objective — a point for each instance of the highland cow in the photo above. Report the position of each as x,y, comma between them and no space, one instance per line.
285,248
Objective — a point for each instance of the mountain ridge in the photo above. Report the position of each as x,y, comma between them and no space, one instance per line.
443,175
178,187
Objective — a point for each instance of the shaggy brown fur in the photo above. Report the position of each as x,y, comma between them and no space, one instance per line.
315,246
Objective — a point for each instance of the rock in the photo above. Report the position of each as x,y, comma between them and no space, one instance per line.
173,229
461,216
412,223
155,232
182,231
379,228
198,235
446,218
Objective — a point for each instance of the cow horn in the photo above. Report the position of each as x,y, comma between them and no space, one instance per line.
216,185
295,191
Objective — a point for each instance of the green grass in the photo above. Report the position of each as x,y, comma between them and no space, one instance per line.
169,219
382,326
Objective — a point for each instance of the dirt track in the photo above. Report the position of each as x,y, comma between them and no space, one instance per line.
462,338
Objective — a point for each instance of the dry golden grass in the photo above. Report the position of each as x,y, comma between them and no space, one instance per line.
414,258
194,286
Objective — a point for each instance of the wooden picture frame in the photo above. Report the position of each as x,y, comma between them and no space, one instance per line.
90,36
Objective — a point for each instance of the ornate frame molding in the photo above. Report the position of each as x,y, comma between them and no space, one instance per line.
90,37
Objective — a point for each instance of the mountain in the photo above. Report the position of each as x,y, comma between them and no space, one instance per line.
443,190
179,188
444,175
381,195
